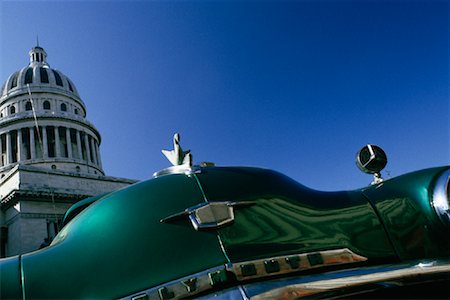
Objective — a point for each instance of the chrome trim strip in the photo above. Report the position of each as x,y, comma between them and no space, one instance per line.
233,293
440,200
313,289
293,263
243,293
210,279
184,287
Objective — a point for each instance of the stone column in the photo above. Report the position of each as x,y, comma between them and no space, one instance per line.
94,153
57,142
99,159
8,148
80,153
86,145
20,152
44,142
32,144
2,163
69,143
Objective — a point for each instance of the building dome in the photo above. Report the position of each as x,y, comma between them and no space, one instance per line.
39,76
43,121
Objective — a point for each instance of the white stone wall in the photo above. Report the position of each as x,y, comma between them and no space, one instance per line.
9,182
40,207
13,245
33,233
28,230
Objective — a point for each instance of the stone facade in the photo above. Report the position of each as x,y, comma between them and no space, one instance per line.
49,155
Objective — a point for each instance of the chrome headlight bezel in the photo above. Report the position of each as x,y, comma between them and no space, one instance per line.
441,197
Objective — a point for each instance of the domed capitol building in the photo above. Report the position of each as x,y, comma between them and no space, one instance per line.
49,155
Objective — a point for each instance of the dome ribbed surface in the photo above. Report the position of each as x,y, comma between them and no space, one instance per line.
39,77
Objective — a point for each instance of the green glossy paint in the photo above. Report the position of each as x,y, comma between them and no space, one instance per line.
404,205
10,281
117,246
289,218
78,207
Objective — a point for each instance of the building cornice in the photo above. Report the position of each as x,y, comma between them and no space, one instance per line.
39,194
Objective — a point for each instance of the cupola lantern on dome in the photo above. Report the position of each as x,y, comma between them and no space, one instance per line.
43,121
38,56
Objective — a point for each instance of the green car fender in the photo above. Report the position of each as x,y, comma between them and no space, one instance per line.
405,207
10,278
117,246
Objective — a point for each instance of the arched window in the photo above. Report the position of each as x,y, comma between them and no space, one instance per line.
57,78
44,75
70,86
46,105
29,76
12,110
14,81
77,168
63,107
28,106
76,111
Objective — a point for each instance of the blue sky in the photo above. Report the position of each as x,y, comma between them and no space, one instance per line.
296,86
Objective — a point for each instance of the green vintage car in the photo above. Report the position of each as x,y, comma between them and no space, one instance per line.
201,231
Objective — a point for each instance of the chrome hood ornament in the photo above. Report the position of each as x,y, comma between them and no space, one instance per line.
177,156
181,161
